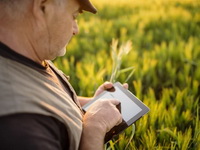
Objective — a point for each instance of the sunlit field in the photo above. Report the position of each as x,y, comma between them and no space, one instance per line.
162,67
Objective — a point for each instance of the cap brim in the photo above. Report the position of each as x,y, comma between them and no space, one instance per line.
87,6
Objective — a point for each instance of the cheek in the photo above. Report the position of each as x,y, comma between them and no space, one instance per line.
64,30
69,28
64,34
61,32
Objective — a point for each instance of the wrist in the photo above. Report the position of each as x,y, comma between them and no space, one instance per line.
96,129
92,137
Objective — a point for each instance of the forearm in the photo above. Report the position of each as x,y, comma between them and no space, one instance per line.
91,138
84,100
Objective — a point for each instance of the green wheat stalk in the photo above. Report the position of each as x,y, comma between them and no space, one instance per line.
117,55
131,137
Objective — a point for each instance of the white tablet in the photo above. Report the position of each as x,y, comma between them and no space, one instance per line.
131,107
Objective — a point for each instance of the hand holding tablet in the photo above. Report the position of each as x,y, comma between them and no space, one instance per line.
130,107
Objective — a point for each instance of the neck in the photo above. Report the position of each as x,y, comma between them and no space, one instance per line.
20,42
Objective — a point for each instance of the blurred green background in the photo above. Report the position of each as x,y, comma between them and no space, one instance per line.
165,55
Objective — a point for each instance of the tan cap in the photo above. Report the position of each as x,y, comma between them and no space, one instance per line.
87,6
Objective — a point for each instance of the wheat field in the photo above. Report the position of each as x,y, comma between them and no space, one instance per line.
161,66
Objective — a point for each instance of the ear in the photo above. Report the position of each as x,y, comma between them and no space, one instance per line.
38,7
42,9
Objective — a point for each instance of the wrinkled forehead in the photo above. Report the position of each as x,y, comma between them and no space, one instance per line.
87,6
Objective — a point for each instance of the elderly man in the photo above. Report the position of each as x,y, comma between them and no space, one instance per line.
39,109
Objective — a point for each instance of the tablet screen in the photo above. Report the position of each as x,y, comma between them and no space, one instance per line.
128,107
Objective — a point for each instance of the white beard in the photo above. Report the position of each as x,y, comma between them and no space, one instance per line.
62,52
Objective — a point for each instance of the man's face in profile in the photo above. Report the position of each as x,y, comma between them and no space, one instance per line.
61,26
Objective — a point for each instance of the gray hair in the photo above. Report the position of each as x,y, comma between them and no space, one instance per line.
17,9
13,9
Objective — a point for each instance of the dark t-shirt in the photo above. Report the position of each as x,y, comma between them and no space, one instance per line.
31,131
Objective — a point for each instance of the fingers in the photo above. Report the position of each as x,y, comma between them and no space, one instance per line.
103,87
114,102
103,114
107,85
125,85
116,114
119,121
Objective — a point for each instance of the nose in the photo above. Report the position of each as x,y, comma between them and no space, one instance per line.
75,28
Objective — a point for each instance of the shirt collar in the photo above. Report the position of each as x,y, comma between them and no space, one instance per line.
9,53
